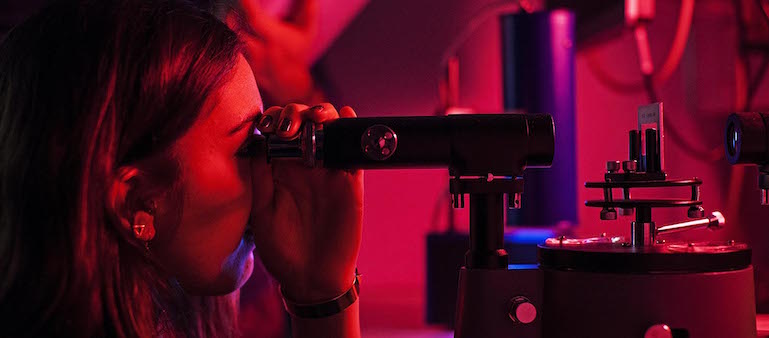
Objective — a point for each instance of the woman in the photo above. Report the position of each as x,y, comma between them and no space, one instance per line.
125,206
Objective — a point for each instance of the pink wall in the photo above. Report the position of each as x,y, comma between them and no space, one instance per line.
386,63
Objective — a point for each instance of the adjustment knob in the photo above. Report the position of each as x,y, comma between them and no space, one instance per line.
608,214
379,142
522,310
695,211
630,166
613,166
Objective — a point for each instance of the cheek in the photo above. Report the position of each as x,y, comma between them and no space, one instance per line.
217,197
262,189
206,248
212,183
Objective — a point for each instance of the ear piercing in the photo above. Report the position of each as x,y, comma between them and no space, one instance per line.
144,223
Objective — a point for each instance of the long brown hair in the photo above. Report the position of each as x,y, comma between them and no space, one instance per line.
85,88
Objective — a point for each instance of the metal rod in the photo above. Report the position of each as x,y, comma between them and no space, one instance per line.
763,183
652,234
626,196
634,147
637,233
607,195
643,218
652,151
714,221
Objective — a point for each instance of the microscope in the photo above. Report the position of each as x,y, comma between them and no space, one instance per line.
641,286
645,286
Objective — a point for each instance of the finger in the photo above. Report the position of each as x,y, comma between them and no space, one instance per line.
320,113
290,120
267,123
347,112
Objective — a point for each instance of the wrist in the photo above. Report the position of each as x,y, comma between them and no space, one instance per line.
316,306
315,290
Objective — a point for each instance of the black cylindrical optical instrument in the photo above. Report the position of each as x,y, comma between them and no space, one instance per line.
747,140
469,145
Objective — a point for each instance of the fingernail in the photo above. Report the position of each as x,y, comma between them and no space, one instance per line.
285,125
266,122
319,108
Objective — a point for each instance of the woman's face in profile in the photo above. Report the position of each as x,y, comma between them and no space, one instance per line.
202,237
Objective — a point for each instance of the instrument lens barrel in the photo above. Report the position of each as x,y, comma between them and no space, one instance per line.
746,138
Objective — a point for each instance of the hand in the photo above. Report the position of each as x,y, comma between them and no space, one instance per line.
308,221
278,49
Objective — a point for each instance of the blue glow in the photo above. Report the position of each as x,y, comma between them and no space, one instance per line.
529,235
522,266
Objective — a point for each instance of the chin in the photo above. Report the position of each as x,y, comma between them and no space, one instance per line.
234,274
233,279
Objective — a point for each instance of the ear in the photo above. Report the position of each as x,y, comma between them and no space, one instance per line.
128,207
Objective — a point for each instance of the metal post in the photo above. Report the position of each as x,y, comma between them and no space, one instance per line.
487,221
643,219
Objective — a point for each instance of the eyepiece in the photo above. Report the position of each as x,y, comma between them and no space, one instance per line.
732,140
541,140
746,139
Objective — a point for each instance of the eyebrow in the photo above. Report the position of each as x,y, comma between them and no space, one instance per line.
245,123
